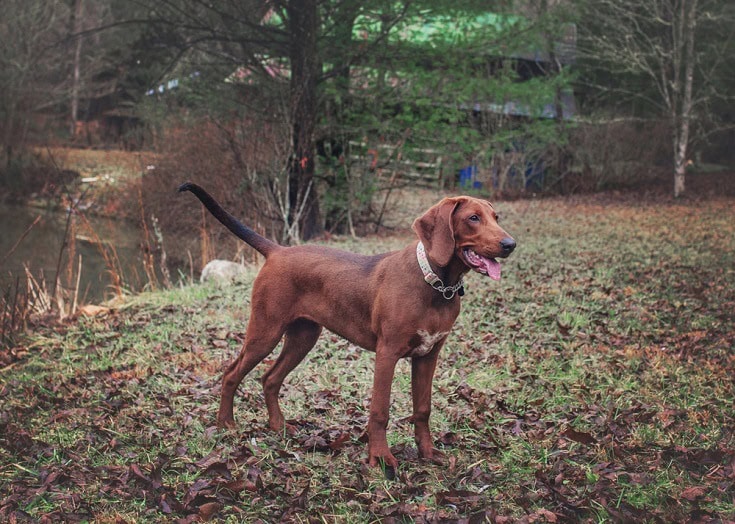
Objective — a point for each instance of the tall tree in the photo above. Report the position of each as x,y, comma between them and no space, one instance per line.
303,25
76,31
256,38
405,71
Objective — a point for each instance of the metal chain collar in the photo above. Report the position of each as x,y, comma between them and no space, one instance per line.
433,279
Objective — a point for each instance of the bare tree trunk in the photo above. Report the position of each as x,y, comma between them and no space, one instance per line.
681,142
76,29
679,166
560,155
303,204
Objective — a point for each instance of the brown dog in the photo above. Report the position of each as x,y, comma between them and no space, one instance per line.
400,304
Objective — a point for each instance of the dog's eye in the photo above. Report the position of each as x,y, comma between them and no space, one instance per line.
474,218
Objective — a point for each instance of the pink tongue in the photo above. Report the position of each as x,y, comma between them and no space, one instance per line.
492,267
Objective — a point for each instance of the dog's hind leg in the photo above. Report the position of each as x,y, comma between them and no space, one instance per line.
301,335
260,339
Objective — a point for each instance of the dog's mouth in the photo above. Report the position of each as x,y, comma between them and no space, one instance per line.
481,264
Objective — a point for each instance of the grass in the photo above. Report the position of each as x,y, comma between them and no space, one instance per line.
593,383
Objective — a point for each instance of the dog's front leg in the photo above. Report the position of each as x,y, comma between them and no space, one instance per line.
378,451
422,376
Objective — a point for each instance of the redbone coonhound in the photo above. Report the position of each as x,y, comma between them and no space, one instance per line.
400,304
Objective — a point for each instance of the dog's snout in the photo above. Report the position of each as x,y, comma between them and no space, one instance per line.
508,245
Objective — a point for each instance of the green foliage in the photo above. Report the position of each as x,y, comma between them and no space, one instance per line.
447,76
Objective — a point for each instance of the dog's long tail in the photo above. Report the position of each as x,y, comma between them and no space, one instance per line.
260,243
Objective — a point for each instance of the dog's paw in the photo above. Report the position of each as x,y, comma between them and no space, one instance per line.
385,460
388,467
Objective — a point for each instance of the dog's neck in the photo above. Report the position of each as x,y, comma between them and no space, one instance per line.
454,271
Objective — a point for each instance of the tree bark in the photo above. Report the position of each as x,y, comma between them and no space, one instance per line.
681,142
76,65
303,202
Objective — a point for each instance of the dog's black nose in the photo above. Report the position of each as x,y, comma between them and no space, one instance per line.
508,245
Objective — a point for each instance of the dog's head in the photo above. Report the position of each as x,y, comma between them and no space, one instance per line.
466,228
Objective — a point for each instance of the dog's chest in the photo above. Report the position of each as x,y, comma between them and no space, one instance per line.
424,341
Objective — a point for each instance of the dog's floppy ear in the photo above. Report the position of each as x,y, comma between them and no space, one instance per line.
435,230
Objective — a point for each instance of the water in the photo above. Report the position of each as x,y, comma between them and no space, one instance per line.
39,250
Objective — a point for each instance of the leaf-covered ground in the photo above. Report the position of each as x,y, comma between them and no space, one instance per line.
593,383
